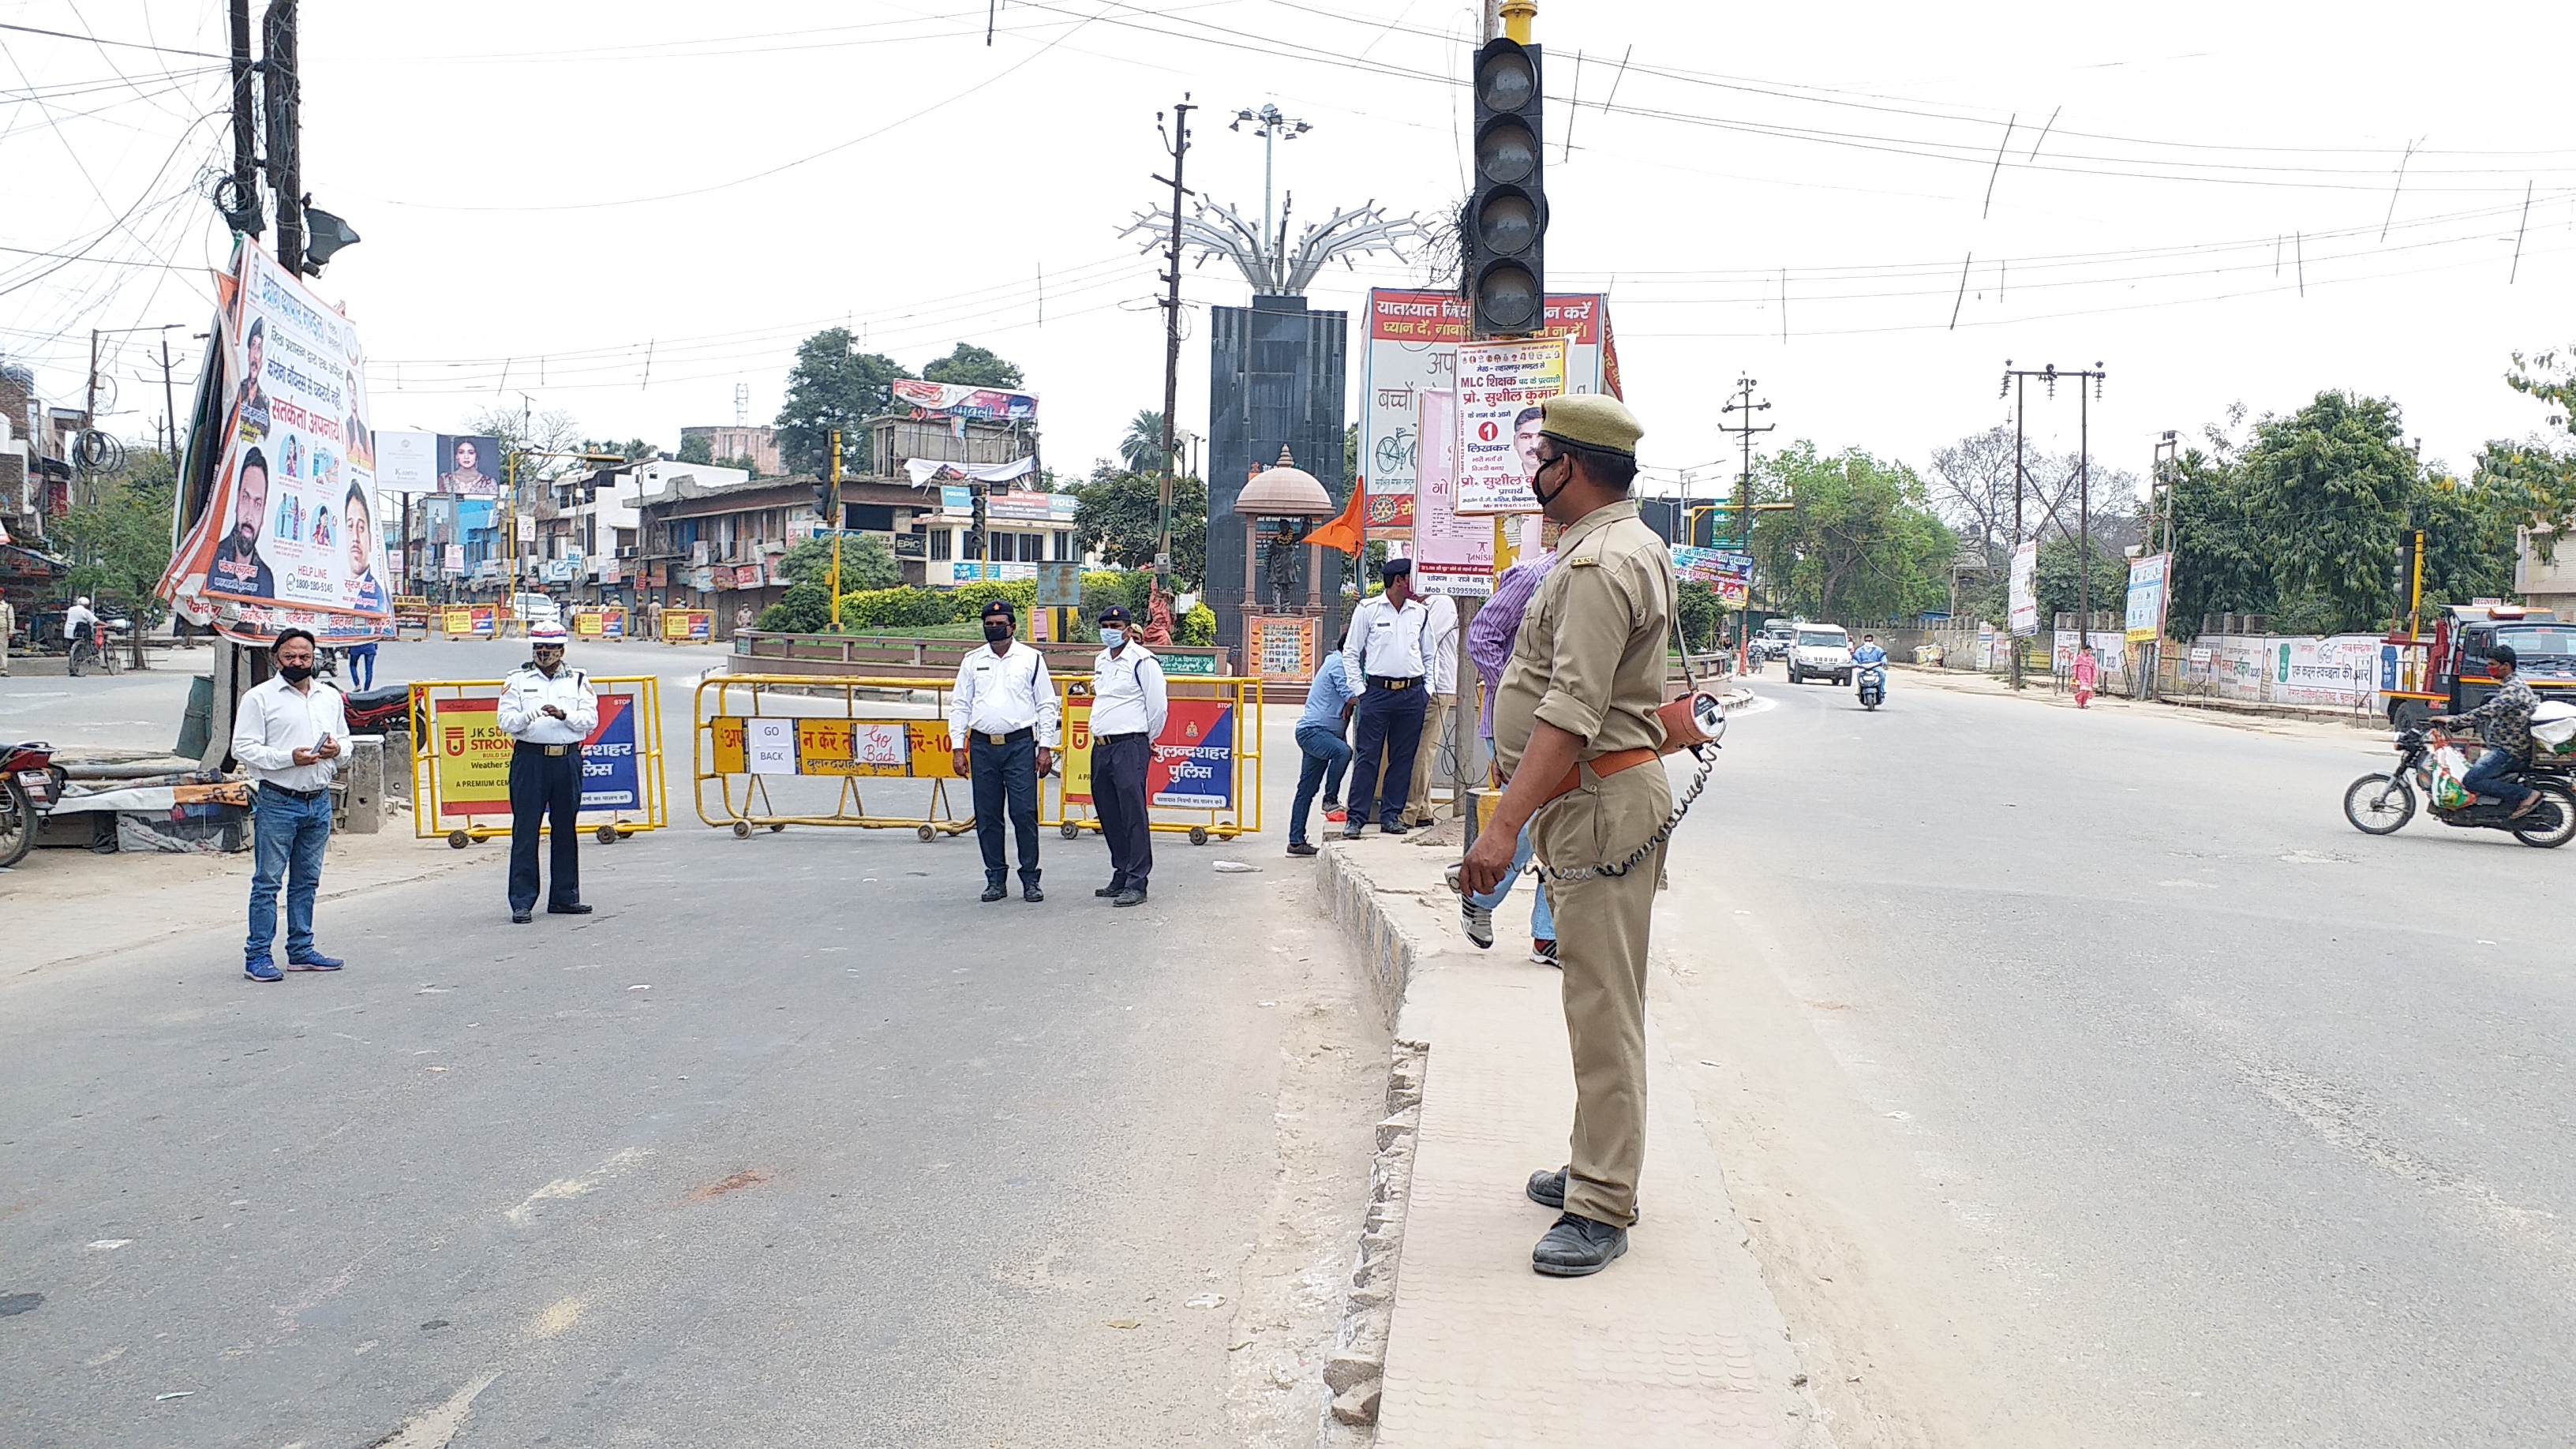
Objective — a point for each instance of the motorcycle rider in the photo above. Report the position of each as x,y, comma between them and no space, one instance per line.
1866,655
2504,723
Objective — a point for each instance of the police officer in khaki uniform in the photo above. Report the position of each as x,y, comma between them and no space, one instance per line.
1577,741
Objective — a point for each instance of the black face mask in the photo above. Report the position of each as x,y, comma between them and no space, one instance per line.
996,633
295,673
1545,499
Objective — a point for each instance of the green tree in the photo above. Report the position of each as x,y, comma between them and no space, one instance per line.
972,366
119,541
2222,555
1119,515
1142,447
2333,482
1860,541
695,449
2532,484
832,385
867,562
2059,582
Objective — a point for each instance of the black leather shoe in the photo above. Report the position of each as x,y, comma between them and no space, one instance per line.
521,918
1577,1247
1547,1189
1132,896
575,909
1032,895
1109,892
1391,828
1352,832
993,893
1301,848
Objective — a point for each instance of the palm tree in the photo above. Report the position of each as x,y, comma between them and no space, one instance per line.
1142,448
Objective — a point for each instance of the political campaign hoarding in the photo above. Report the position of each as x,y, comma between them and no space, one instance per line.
291,535
956,400
2024,591
2146,616
1451,554
1412,344
1730,574
1500,387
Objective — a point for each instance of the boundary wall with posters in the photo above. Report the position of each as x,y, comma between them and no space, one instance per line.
461,761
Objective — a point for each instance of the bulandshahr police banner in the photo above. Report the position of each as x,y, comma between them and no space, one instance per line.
1193,766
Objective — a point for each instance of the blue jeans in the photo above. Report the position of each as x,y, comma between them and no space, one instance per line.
290,837
1542,920
1326,758
362,666
2486,778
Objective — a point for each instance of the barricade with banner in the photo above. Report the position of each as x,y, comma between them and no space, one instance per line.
469,621
792,749
606,624
460,765
687,626
1207,761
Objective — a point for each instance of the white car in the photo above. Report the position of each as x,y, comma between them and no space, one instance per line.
1821,651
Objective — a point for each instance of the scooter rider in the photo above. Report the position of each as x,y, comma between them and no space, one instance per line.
2504,722
1867,654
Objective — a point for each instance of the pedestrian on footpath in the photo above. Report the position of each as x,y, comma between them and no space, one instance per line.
1442,684
1005,702
1329,702
2086,674
1128,706
1386,658
1577,740
362,665
1490,639
287,734
549,708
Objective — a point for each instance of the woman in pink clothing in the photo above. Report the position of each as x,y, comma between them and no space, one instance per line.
2086,673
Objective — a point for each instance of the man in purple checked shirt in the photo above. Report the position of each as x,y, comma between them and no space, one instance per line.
1489,643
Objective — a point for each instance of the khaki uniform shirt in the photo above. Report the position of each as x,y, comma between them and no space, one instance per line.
1590,656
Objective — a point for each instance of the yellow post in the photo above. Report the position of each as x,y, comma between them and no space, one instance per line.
1516,20
834,522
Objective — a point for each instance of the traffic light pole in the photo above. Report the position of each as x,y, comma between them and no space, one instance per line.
1177,143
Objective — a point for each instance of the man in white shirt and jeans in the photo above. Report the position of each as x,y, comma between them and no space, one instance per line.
1128,706
288,735
549,708
1005,703
1386,660
1440,697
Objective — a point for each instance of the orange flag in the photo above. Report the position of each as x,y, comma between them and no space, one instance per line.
1349,532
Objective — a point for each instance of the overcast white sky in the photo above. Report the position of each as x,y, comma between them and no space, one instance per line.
552,192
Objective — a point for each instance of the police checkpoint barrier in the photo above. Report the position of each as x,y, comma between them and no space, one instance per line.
774,750
1205,779
461,761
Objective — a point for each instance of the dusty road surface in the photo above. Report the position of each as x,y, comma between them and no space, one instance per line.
2086,1080
793,1142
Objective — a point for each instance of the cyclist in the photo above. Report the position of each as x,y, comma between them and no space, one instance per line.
80,631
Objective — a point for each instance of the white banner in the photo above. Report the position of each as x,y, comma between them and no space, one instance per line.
1500,385
407,462
2025,591
1451,555
2146,618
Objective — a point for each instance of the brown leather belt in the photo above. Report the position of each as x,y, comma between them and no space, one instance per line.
1603,768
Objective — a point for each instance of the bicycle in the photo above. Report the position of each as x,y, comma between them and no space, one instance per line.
84,652
1398,452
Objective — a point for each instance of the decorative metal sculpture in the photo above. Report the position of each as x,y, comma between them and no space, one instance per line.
1267,262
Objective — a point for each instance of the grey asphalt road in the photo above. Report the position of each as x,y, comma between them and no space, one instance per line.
2108,1088
792,1143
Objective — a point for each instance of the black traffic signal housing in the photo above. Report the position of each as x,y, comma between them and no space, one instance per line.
1504,228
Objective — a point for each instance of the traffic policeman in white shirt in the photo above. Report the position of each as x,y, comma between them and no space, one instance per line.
1386,661
288,735
549,708
1003,728
1128,707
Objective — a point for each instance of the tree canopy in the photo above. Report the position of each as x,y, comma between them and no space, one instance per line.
972,366
119,541
1141,447
833,385
1860,540
1119,514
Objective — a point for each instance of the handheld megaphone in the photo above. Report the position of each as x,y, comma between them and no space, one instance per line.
1691,721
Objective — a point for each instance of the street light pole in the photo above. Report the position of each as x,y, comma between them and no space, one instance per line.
1270,125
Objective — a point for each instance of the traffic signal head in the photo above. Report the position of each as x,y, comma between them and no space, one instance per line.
1505,221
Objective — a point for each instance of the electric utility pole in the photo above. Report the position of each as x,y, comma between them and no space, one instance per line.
285,150
1176,142
1742,529
2016,387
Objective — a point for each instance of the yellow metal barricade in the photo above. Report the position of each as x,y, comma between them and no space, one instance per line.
460,761
756,734
1205,781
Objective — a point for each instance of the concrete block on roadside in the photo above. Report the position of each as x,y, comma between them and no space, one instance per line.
364,777
1358,1405
1346,1370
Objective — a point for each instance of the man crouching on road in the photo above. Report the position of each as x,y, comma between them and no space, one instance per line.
1577,741
288,734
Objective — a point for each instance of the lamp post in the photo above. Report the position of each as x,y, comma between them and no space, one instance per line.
1270,126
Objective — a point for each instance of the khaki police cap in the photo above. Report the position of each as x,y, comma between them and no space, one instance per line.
1596,420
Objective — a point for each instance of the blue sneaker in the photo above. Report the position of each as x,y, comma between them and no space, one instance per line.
315,962
262,971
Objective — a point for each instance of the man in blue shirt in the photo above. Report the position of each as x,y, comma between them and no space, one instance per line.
1867,654
1329,702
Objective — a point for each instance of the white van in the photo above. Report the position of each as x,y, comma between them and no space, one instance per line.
1821,651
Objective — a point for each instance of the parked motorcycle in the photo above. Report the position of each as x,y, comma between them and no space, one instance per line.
29,786
1873,685
383,710
2381,804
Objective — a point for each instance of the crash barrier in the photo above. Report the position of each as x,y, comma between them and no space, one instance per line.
469,621
1205,781
767,743
687,626
600,624
460,763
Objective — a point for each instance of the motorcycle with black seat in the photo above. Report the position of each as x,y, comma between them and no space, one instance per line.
2381,804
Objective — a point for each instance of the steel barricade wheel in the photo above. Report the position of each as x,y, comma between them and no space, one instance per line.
1070,830
458,840
608,835
742,830
1198,835
926,833
778,827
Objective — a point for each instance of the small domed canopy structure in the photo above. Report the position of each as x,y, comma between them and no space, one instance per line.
1285,491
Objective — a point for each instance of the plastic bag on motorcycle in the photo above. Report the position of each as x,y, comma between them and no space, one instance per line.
2450,769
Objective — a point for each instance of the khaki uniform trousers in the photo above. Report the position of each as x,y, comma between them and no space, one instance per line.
1601,931
1435,728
